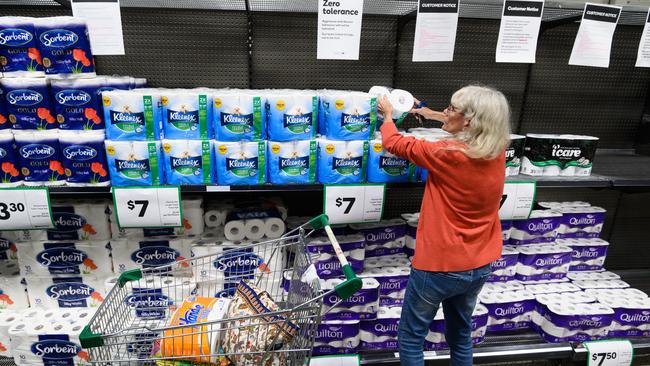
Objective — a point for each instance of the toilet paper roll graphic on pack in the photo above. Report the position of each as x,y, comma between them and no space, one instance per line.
83,156
436,340
543,262
363,304
505,268
65,292
186,114
544,300
508,310
622,293
401,100
40,159
238,115
383,238
188,161
548,288
631,317
502,287
9,161
324,258
130,254
8,318
65,46
540,227
12,290
134,163
381,333
384,167
601,284
582,276
240,163
392,283
28,104
337,337
19,48
553,155
514,154
77,103
575,322
65,258
348,115
292,162
132,115
342,162
291,114
588,254
581,222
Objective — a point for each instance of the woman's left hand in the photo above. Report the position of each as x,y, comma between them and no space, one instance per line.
384,106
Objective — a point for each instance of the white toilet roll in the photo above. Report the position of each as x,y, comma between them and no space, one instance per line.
254,229
214,218
402,102
274,227
7,319
235,230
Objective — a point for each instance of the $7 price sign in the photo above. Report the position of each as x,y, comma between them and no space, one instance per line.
143,207
349,203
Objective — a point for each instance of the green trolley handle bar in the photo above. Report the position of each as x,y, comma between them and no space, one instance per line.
352,283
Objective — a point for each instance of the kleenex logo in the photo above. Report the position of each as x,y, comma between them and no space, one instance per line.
140,165
70,291
292,120
125,117
55,349
24,97
79,152
73,98
36,151
59,38
181,116
14,37
353,119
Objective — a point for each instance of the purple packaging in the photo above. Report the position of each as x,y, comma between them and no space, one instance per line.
325,260
383,238
337,337
508,310
65,46
392,283
631,316
540,227
543,262
381,333
19,53
504,268
435,339
588,254
506,228
27,102
581,222
362,305
575,322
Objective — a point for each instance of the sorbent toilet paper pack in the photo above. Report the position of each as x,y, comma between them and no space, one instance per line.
65,292
40,157
11,175
149,253
77,103
65,46
83,156
19,48
65,258
28,104
12,290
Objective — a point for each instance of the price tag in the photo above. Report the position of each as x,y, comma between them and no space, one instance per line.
25,208
609,353
143,207
517,200
348,204
338,360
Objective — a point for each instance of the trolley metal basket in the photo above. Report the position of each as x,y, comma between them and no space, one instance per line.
132,322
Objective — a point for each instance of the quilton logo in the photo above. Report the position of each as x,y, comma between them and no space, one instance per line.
69,291
79,152
14,37
155,256
55,349
65,221
61,257
36,151
238,262
72,98
24,97
59,38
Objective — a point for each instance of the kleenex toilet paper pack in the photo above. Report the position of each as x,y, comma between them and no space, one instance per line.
291,114
324,257
240,163
65,292
238,115
348,115
381,333
135,163
383,238
187,114
132,115
65,258
130,254
292,161
188,161
342,162
384,167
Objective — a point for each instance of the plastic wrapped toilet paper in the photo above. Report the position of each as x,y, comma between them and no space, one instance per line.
384,167
188,161
543,262
342,162
582,276
601,284
552,205
547,288
12,290
83,156
19,48
75,220
588,254
28,104
348,115
187,114
383,238
9,159
506,231
505,268
392,283
544,282
540,227
238,115
130,254
292,162
623,293
65,292
401,100
156,297
514,153
436,339
508,310
77,103
324,258
42,343
7,319
502,287
240,163
553,155
397,260
291,114
65,46
381,333
134,163
132,115
543,300
581,222
337,337
410,236
364,304
8,250
65,258
575,322
631,316
40,159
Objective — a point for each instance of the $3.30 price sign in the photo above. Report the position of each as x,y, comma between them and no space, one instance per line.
138,207
346,204
609,353
25,208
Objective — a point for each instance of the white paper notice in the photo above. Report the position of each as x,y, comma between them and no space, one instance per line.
435,30
643,55
104,25
519,31
339,29
593,44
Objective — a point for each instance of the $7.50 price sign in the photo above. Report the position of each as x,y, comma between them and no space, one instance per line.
349,203
143,207
25,208
609,353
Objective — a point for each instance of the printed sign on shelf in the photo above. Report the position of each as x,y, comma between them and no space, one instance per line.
519,30
25,208
517,200
435,30
339,29
347,204
104,25
593,43
609,353
138,207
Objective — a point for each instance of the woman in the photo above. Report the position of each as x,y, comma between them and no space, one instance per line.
459,233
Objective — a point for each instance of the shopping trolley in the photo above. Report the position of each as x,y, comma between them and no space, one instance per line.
132,322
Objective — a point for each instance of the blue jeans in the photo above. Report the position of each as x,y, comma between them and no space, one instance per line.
457,291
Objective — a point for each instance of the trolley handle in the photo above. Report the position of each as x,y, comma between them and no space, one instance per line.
352,283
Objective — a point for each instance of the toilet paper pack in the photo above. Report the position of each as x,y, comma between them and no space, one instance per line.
188,161
325,259
187,114
436,340
575,322
11,175
410,237
588,254
397,260
129,254
384,167
631,316
12,290
506,230
83,157
558,155
19,48
342,162
514,153
601,284
65,292
65,258
47,343
547,288
540,227
238,115
622,293
508,310
65,46
543,262
552,205
581,222
134,163
543,300
381,333
28,104
364,304
292,162
392,283
40,159
8,249
132,115
77,103
348,115
337,337
582,276
78,220
156,297
383,238
240,163
5,125
291,114
505,268
7,319
502,287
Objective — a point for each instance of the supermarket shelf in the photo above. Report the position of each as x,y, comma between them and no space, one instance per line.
625,168
593,180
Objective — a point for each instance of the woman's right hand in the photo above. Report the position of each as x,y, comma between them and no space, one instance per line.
425,112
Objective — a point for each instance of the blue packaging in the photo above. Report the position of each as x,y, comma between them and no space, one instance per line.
238,116
186,114
27,101
292,161
349,115
19,53
342,162
384,167
4,117
134,163
84,158
132,115
39,156
64,46
77,103
291,115
240,163
9,162
188,161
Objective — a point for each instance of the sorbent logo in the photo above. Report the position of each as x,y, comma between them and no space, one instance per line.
36,151
79,152
24,97
69,291
59,38
15,37
55,349
154,256
61,257
238,263
72,98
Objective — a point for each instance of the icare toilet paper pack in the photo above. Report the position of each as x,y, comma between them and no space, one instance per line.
558,155
514,153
